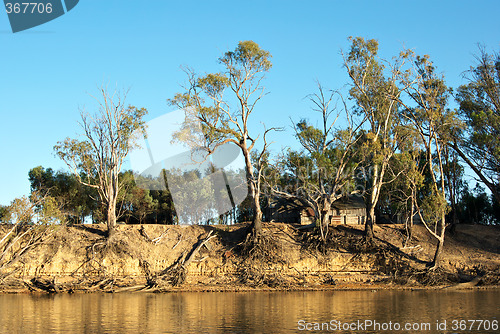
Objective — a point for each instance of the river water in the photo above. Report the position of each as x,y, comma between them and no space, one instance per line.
254,312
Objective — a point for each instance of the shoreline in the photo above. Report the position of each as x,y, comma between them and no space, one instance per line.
249,289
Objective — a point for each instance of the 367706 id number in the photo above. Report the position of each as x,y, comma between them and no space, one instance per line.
474,325
28,7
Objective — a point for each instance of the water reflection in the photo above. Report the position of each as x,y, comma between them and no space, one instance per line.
259,312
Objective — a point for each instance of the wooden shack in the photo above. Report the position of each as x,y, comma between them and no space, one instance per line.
286,211
346,210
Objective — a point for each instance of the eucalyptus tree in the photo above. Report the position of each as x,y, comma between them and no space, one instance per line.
376,92
435,124
223,103
479,99
96,158
323,170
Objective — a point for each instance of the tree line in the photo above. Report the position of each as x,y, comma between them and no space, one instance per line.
391,137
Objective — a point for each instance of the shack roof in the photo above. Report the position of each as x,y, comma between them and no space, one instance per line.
349,202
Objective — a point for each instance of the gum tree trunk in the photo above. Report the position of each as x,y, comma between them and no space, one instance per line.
254,194
439,248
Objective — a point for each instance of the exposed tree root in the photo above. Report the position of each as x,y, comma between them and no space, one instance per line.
18,242
262,256
263,247
176,274
338,240
253,274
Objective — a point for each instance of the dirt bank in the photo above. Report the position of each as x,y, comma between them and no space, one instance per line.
148,258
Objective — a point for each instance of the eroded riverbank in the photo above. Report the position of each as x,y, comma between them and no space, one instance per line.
142,258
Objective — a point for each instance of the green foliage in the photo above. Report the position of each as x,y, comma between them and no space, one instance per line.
247,57
70,196
431,96
206,103
433,207
34,210
142,204
189,211
213,83
50,212
3,213
480,108
374,92
20,211
476,207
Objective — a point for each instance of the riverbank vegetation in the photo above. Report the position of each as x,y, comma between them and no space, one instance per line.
390,137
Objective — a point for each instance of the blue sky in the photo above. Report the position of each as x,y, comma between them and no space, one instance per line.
48,72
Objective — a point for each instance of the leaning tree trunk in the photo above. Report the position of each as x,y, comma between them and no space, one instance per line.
323,225
370,221
439,248
409,222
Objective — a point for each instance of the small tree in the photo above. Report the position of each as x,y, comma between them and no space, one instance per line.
22,211
142,204
97,158
321,172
